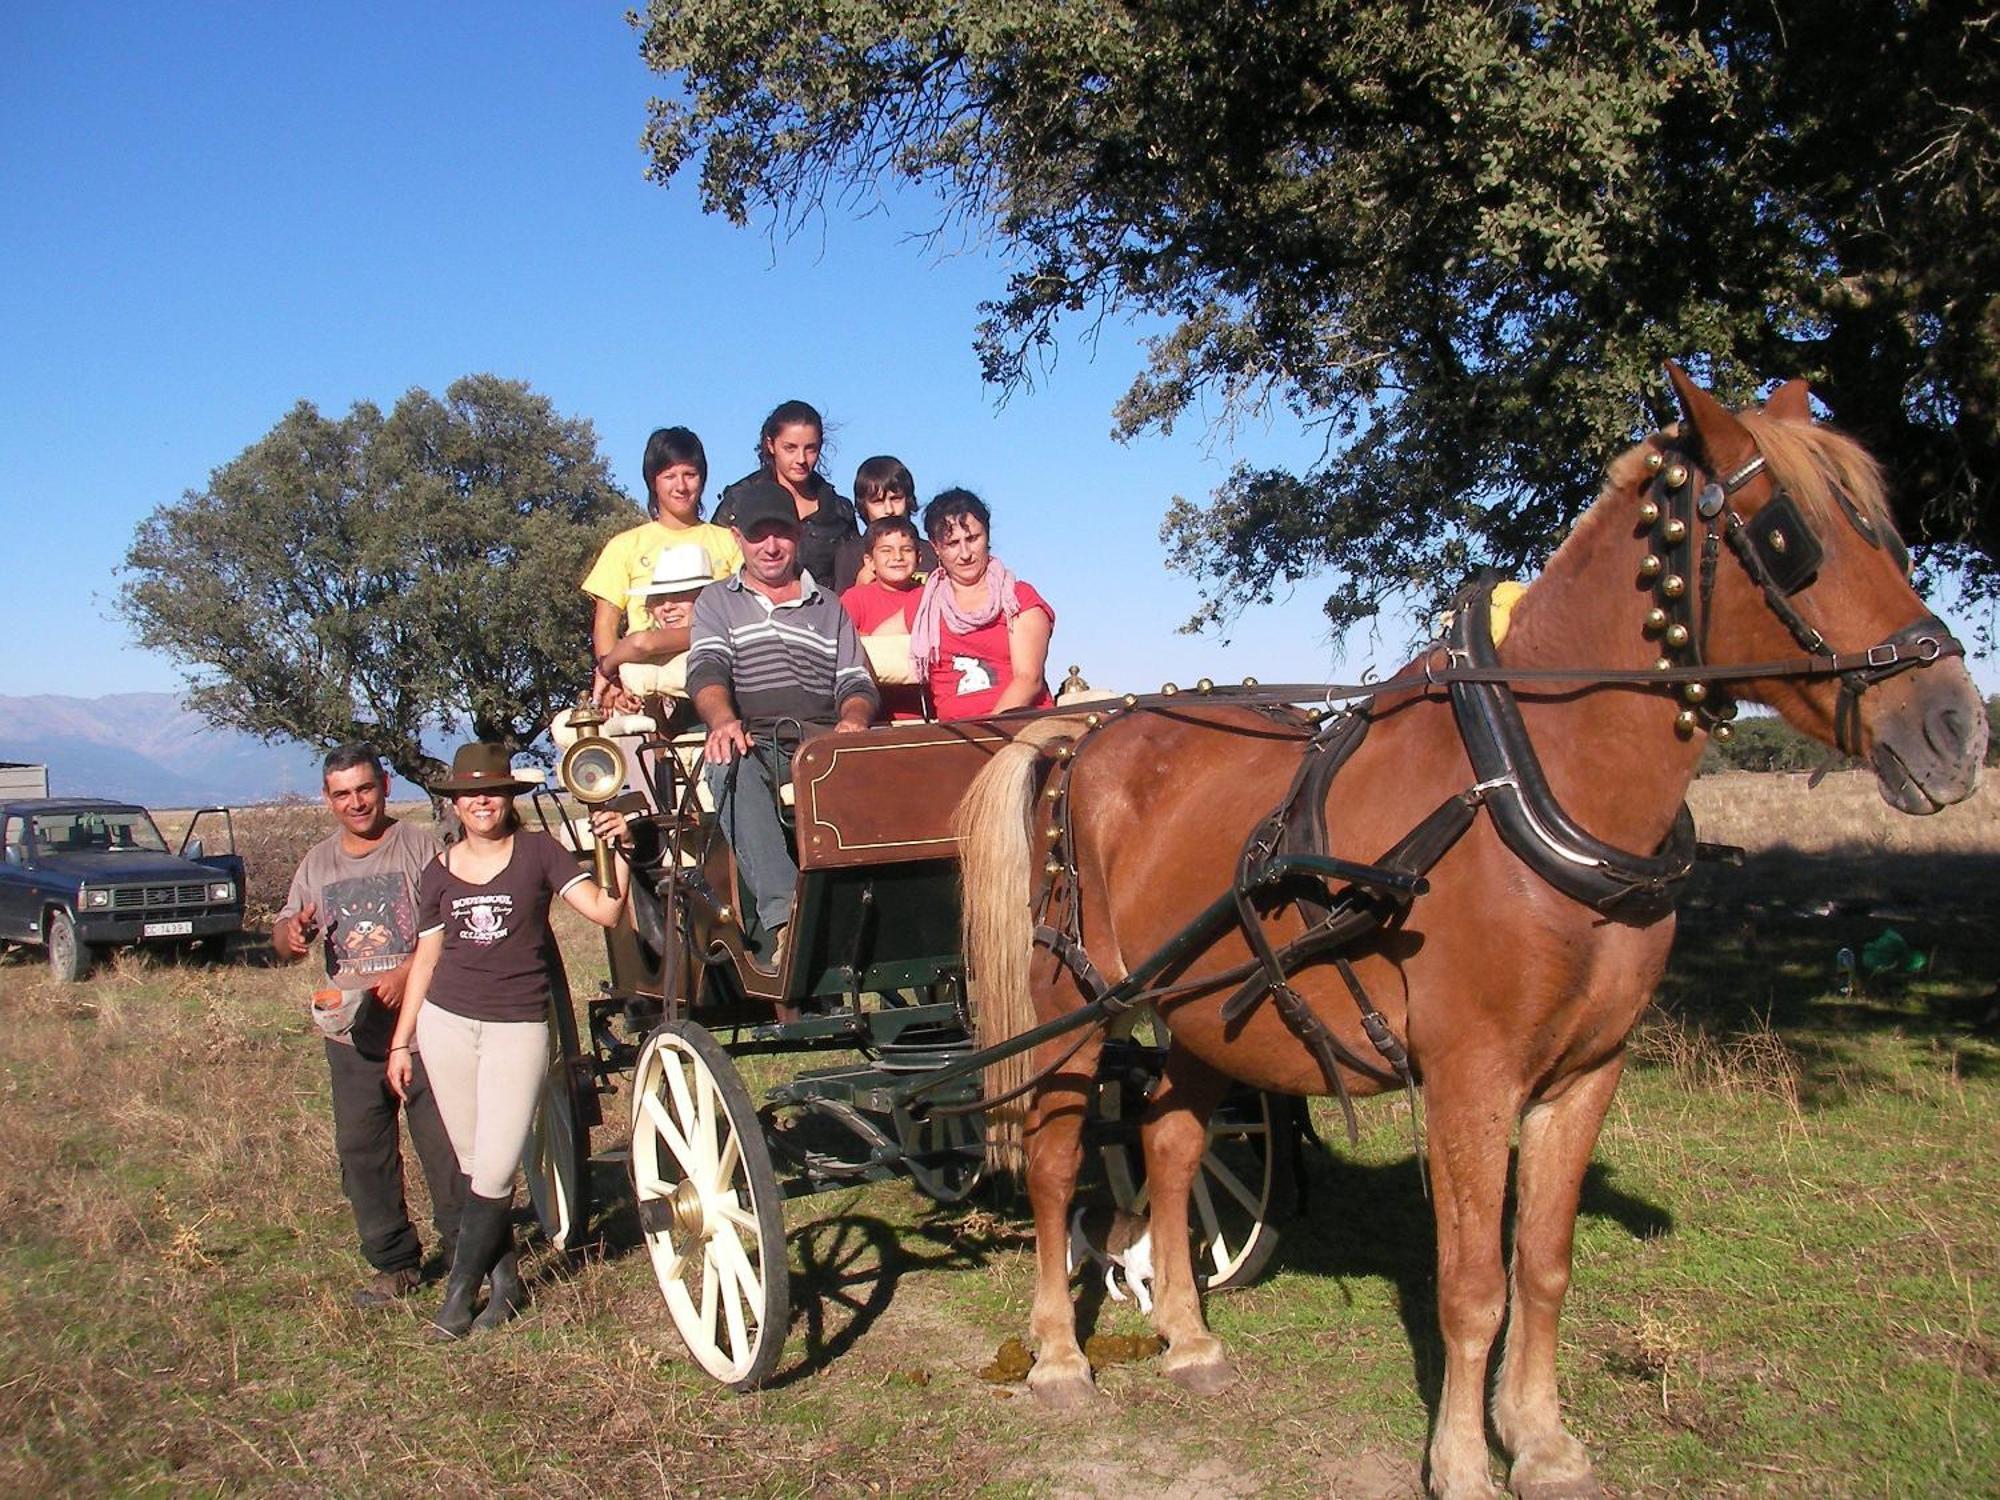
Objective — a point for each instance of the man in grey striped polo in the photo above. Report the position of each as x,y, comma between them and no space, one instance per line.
769,645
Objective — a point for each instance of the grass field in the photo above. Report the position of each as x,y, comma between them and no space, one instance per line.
1785,1271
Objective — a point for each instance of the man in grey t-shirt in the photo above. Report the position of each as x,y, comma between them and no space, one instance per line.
355,892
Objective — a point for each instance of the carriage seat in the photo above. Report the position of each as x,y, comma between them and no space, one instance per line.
889,659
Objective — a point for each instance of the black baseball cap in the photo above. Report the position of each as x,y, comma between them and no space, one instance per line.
762,502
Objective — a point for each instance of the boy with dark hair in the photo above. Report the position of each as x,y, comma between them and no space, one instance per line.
882,609
882,487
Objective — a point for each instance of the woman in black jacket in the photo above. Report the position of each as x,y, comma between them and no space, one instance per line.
788,450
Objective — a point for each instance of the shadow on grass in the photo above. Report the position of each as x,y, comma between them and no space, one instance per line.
1373,1221
1759,949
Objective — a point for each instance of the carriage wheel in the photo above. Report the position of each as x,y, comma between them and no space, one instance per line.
709,1205
1234,1198
955,1148
558,1161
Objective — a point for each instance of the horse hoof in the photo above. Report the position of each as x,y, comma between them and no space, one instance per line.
1210,1378
1067,1394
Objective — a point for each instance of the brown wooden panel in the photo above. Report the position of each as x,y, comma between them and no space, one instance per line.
887,795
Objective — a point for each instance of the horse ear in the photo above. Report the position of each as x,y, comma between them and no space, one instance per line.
1722,437
1788,402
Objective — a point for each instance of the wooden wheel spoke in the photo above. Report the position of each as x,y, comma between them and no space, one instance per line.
737,1286
1214,1166
1211,1224
669,1132
708,1287
706,1126
729,1158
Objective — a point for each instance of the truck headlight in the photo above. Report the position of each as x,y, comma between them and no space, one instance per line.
222,890
99,900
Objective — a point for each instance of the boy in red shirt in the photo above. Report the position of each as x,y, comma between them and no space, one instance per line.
883,608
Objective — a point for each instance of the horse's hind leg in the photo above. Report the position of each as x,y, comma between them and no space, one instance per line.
1557,1137
1470,1117
1175,1137
1054,1143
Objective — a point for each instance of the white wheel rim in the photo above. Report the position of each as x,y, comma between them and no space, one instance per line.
686,1153
554,1164
1218,1249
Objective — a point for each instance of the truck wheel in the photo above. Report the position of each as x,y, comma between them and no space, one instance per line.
69,955
212,949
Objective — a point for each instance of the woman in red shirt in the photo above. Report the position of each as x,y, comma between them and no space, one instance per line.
981,636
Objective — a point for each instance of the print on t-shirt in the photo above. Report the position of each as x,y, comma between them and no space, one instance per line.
484,918
371,924
972,675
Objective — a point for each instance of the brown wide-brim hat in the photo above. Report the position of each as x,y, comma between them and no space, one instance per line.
481,766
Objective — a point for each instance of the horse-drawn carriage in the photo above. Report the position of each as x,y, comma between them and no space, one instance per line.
872,989
1463,888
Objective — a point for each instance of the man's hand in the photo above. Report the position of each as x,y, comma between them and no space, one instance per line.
389,988
293,937
726,741
856,714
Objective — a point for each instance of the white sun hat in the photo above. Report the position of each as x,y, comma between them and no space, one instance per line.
681,569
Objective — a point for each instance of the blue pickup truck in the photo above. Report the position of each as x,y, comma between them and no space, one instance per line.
79,874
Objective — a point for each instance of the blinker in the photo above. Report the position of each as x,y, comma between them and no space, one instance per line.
1785,545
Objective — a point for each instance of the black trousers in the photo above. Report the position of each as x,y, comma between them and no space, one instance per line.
370,1148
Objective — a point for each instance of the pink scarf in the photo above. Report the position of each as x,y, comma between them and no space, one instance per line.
939,608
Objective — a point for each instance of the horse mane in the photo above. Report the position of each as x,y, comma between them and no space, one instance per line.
1813,463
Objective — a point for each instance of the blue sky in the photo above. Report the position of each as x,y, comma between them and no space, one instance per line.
209,212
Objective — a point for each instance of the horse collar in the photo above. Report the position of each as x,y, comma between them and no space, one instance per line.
1629,887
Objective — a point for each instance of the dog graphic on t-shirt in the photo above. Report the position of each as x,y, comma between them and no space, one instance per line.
973,676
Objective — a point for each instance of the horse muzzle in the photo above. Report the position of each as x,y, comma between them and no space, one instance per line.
1929,738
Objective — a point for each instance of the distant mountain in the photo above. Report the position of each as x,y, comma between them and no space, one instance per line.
147,748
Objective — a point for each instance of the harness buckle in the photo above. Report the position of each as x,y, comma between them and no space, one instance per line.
1885,655
1929,648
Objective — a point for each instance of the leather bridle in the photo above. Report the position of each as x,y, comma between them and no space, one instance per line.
1781,553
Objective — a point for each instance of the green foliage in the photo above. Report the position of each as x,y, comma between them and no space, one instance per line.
1769,744
1456,238
373,577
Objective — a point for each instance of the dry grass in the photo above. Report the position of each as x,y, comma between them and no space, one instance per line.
1786,1270
1844,814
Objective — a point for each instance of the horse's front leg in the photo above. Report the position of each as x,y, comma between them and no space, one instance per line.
1053,1138
1470,1117
1557,1138
1175,1137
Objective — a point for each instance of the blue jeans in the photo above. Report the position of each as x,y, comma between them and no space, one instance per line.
749,815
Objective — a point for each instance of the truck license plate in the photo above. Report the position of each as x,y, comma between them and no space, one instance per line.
167,929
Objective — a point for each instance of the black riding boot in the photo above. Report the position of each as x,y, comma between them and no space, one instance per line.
483,1230
506,1296
447,1220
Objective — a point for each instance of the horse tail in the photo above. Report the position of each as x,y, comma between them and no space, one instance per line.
995,853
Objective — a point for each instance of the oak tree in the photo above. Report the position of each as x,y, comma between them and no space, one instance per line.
383,577
1456,237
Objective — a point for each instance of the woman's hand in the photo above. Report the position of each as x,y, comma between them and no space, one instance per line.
611,829
399,1071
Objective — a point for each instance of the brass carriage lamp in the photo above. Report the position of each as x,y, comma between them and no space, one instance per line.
592,770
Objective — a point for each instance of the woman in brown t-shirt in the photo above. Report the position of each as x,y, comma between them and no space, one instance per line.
477,1003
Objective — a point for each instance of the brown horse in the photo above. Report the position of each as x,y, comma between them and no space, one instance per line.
1512,996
